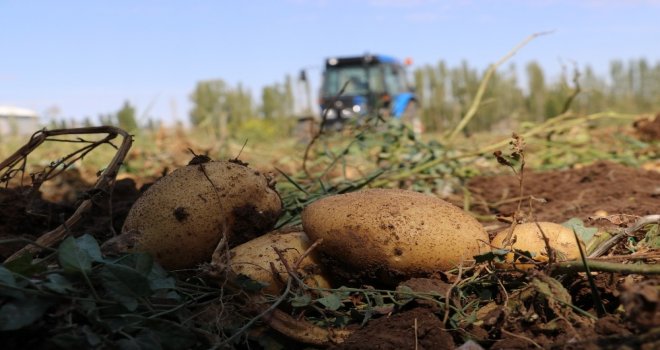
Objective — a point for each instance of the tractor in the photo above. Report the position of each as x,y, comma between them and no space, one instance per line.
359,87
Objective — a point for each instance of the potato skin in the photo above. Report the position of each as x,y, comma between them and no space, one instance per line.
527,237
253,259
386,234
181,218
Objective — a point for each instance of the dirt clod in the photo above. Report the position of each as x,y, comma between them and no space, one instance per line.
399,332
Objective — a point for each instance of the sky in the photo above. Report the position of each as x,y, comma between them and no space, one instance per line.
79,59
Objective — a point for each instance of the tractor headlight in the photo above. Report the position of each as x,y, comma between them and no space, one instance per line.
330,113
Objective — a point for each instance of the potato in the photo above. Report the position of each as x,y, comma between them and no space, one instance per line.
181,218
253,259
389,234
527,237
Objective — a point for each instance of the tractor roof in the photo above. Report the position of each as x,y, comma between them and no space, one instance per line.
364,59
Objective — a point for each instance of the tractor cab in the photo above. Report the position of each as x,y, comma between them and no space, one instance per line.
356,87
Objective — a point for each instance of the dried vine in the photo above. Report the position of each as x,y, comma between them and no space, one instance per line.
15,165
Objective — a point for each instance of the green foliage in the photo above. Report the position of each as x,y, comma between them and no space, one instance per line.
220,108
446,93
277,100
126,118
90,301
261,130
586,234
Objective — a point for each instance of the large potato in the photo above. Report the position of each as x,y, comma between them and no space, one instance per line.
386,235
254,258
181,218
528,237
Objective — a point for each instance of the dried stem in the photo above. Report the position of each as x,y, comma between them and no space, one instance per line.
104,182
641,222
316,136
474,107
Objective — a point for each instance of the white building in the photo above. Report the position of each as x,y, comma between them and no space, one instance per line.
18,121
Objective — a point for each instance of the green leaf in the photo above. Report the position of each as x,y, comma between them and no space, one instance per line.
58,284
404,295
584,233
7,278
148,340
128,344
170,335
552,288
248,284
141,262
124,284
301,300
24,266
91,246
497,255
92,338
330,301
73,258
68,341
22,312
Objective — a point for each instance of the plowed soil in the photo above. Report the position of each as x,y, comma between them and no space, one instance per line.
557,196
580,192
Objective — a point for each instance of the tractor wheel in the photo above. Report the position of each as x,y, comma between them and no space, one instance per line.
412,117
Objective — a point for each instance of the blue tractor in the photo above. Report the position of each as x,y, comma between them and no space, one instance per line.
372,85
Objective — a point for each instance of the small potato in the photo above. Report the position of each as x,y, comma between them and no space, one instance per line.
528,237
181,218
386,235
253,259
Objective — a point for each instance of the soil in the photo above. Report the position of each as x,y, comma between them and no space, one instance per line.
579,192
602,188
25,214
648,129
418,328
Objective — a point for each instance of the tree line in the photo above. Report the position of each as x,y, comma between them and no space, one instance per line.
445,94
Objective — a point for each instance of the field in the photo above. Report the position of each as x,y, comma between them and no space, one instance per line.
598,174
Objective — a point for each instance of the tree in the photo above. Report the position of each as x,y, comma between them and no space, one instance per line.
126,117
208,100
271,103
536,90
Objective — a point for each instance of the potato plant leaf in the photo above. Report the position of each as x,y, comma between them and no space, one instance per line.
301,300
552,289
77,254
330,302
58,283
170,335
9,282
248,284
404,295
497,255
22,312
124,284
68,341
584,233
160,279
24,266
92,338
